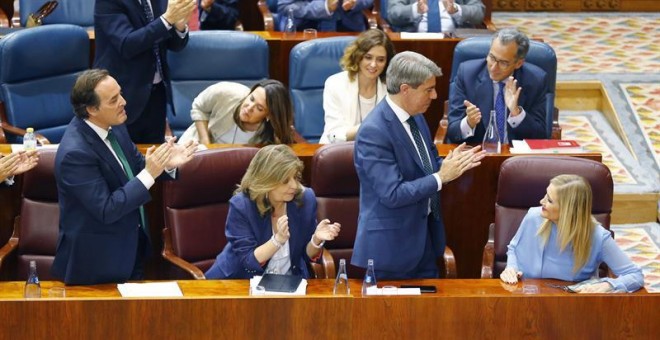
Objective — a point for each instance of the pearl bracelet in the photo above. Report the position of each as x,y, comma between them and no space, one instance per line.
319,246
275,242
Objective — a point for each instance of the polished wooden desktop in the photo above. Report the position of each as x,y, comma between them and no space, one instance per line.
461,309
468,207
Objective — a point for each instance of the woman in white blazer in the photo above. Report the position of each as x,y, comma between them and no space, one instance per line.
350,95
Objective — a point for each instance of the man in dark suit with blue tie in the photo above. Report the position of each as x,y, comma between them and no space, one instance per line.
502,82
132,37
102,182
400,224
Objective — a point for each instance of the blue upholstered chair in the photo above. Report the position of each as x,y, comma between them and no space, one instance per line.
38,67
540,54
310,64
210,57
74,12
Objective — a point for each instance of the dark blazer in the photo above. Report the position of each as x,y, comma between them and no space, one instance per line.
394,193
246,230
99,207
124,46
473,83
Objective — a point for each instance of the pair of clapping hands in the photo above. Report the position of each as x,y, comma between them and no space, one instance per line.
423,6
325,231
17,163
168,156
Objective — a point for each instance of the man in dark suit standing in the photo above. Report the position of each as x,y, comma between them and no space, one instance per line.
132,37
103,181
502,82
400,225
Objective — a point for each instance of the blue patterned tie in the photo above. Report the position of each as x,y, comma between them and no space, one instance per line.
129,172
426,162
433,16
500,110
150,17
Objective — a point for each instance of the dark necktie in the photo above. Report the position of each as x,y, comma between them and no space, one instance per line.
129,172
426,162
500,111
150,17
433,16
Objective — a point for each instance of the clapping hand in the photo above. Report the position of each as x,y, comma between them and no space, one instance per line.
460,160
332,5
180,154
472,113
450,6
282,229
18,163
511,95
326,231
510,275
348,5
178,12
422,6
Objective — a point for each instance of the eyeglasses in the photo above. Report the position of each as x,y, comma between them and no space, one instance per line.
500,63
562,287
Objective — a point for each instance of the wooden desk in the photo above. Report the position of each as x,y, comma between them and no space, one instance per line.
468,205
462,309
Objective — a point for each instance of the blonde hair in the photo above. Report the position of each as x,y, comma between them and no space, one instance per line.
575,225
272,166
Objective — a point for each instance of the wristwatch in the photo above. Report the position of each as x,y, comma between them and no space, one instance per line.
455,7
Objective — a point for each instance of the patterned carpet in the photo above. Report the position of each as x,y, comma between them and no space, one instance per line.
644,100
621,51
638,245
600,46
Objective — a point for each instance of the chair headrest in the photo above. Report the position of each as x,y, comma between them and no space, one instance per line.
42,48
523,180
311,62
210,177
333,172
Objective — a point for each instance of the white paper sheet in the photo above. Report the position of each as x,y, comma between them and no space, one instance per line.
417,35
150,289
19,147
399,291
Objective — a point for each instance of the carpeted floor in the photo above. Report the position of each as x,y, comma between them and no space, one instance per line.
621,51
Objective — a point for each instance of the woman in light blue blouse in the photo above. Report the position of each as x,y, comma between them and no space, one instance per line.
561,240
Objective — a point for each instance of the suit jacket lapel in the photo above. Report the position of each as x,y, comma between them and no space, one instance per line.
395,127
485,86
101,149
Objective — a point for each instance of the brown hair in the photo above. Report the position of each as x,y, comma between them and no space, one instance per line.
278,127
83,94
356,50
